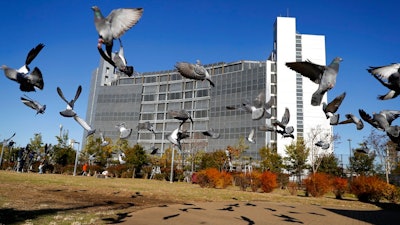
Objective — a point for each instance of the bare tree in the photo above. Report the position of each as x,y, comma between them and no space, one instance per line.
315,135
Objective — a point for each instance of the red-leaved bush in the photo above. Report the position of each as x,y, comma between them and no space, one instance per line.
372,188
339,186
268,181
317,184
213,178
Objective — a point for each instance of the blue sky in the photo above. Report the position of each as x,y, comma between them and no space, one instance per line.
363,33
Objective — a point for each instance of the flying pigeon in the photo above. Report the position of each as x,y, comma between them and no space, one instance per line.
256,113
284,121
331,108
176,136
325,76
120,156
194,71
118,61
124,133
146,126
389,77
85,126
153,150
211,133
69,112
33,104
27,82
395,139
350,118
250,137
181,115
382,120
323,145
104,142
115,24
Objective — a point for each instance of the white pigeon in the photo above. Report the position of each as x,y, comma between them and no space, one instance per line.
124,132
104,142
251,135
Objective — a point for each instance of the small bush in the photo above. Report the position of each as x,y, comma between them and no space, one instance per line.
339,186
242,181
317,184
255,180
293,187
283,180
213,178
373,189
268,181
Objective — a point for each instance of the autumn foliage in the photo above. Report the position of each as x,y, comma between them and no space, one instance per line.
372,188
268,181
339,186
317,184
213,178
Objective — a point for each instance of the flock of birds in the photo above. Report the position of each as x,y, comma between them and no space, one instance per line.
119,21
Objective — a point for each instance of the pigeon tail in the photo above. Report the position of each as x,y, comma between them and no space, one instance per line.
211,83
334,120
317,98
391,94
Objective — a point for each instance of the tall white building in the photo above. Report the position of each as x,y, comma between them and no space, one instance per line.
292,90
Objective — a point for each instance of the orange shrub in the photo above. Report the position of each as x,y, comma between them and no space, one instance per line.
372,188
339,186
317,184
268,181
255,180
213,178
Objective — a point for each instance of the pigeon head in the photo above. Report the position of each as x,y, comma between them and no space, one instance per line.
97,12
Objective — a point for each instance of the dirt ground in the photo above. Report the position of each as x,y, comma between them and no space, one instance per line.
31,201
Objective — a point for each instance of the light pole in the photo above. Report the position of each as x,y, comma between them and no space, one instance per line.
171,179
351,173
76,155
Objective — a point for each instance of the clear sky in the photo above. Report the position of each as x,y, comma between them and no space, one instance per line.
363,33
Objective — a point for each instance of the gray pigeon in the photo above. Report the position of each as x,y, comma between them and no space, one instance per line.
395,139
284,121
350,118
181,115
69,111
124,132
27,81
382,120
256,113
85,126
33,104
194,71
325,76
115,24
146,126
323,145
331,108
211,133
118,61
389,77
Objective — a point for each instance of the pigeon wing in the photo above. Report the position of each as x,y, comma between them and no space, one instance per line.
82,123
308,69
384,71
333,106
60,93
33,53
123,19
29,103
367,118
36,78
187,70
78,92
390,115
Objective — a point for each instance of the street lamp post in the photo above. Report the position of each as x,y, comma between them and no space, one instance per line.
350,167
171,179
76,155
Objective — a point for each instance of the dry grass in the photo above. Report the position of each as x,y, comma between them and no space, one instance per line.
28,198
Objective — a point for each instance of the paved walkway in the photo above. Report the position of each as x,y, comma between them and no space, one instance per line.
263,213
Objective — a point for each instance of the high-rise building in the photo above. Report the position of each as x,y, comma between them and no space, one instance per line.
115,98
